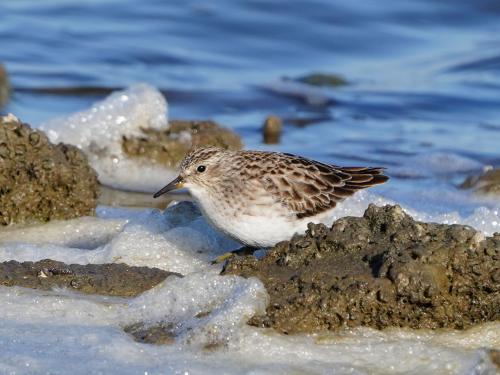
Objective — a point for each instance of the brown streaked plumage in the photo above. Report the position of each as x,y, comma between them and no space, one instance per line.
260,187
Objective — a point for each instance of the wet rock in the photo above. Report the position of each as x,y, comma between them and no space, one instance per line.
323,79
112,279
380,270
271,130
40,181
486,183
168,147
4,86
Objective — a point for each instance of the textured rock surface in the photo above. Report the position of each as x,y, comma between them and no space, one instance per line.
40,181
486,183
4,86
110,279
383,269
169,147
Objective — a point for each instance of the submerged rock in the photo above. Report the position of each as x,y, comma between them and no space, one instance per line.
486,183
40,181
380,270
323,79
112,279
4,86
168,147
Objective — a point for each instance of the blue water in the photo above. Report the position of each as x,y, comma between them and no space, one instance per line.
424,76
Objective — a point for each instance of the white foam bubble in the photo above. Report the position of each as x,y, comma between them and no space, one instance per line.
177,240
83,233
57,333
202,308
98,131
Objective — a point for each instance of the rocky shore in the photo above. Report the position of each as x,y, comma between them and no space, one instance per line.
41,181
381,270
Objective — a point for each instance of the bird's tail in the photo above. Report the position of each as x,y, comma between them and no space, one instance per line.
363,177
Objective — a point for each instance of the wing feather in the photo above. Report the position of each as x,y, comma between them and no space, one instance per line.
308,187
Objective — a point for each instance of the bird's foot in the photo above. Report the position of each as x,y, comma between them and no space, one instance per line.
245,250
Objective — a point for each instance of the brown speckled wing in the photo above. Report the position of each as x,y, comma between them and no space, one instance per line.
308,187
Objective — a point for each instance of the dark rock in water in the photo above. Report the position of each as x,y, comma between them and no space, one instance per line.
40,181
168,147
272,129
380,270
112,279
4,86
486,183
323,79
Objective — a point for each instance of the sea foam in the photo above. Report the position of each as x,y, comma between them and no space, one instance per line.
98,131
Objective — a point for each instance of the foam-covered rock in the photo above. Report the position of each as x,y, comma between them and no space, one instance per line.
380,270
129,140
40,181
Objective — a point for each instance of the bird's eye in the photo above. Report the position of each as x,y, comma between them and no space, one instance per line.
201,168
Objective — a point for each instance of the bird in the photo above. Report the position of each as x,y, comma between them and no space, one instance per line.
260,198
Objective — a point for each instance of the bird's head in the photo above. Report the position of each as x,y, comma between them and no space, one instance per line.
199,170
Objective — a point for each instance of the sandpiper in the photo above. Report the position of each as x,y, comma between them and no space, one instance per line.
261,198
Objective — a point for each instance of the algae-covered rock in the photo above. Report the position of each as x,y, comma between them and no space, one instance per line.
4,86
486,183
112,279
323,79
380,270
40,181
168,147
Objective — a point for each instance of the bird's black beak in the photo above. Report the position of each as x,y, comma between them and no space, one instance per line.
175,184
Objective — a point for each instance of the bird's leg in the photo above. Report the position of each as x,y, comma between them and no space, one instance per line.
244,250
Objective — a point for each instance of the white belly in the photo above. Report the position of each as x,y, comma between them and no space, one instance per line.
260,231
257,227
